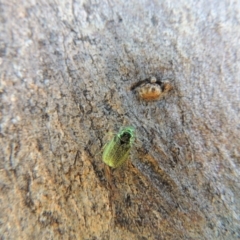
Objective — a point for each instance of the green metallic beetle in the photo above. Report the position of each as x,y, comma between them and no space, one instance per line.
116,152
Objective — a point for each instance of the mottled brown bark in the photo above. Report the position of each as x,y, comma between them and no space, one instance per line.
67,70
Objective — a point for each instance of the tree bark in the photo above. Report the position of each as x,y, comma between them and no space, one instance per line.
67,76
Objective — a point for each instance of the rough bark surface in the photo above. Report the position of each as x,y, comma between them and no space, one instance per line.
67,68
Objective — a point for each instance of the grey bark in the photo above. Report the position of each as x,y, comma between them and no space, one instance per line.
67,69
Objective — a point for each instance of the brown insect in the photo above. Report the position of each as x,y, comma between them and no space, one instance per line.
151,89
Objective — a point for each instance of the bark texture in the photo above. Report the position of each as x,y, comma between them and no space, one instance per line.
67,69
